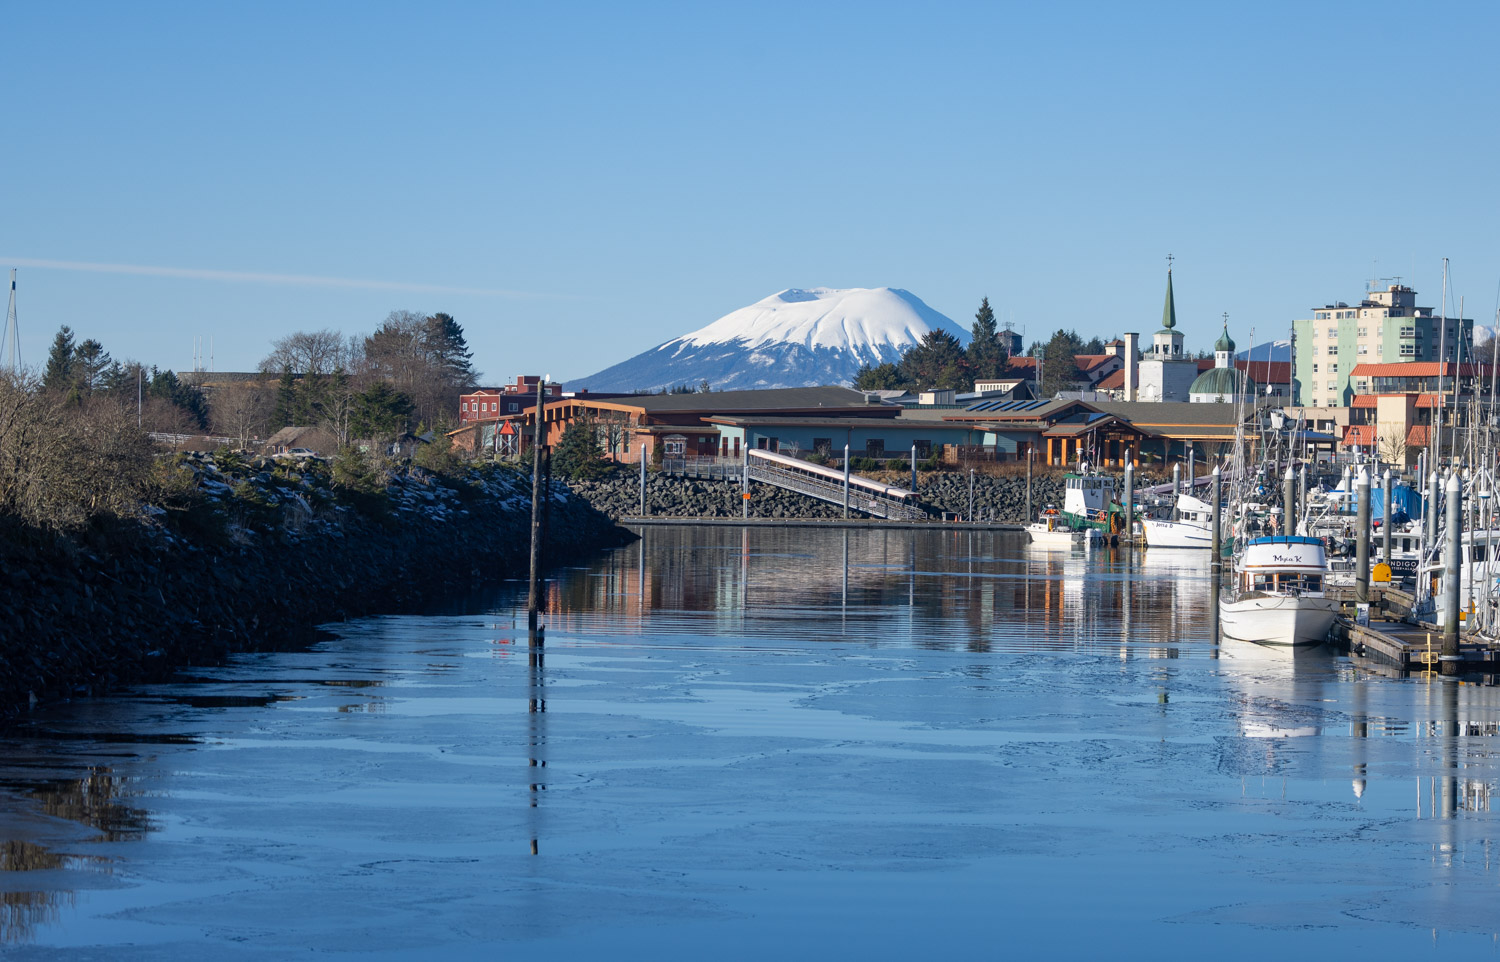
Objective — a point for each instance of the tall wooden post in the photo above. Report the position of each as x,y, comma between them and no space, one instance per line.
643,482
1030,457
846,482
533,597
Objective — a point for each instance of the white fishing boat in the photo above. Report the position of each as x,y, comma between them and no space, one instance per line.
1277,597
1055,529
1192,528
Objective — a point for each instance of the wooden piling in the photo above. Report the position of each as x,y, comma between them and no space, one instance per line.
533,596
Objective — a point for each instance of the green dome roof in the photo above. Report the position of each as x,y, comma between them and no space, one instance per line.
1222,380
1225,342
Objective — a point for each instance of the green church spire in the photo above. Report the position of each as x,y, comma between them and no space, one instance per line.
1169,310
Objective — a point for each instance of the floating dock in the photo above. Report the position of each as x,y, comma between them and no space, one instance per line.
1389,640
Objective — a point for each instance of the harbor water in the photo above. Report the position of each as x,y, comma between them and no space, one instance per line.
767,743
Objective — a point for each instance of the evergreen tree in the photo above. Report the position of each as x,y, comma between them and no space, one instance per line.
881,377
58,375
90,362
578,454
380,411
448,351
937,362
165,386
1059,370
286,401
984,354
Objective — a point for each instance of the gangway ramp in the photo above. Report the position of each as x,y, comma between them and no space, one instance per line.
814,480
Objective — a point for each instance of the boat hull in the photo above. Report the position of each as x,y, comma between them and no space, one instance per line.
1278,619
1175,534
1061,536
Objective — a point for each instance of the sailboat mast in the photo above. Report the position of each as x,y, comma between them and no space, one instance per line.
10,350
1435,430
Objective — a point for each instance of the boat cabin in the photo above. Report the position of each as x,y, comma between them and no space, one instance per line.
1085,495
1284,565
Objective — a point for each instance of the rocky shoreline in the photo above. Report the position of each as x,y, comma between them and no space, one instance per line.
997,498
264,553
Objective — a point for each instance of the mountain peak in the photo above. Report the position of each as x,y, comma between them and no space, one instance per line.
865,320
794,338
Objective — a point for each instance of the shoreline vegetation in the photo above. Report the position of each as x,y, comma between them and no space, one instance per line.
124,565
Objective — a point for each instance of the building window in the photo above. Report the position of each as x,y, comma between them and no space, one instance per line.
1333,385
823,446
875,448
1362,331
1315,369
1333,333
1333,369
1364,349
1333,349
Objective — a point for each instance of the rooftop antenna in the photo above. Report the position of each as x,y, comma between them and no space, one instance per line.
10,348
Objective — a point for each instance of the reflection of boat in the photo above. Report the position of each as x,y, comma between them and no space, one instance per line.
1190,530
1276,680
1055,529
1277,598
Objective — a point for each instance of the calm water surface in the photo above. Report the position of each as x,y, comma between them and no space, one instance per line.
752,744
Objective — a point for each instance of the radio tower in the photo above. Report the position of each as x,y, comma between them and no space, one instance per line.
10,349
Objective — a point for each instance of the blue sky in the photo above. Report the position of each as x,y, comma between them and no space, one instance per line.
579,182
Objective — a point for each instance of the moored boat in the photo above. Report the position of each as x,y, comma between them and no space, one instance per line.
1056,529
1191,529
1278,598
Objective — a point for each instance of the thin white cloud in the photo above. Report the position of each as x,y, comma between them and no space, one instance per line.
251,277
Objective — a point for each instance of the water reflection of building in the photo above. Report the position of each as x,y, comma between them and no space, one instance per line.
978,590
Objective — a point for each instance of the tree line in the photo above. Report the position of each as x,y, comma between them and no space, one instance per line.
406,375
940,362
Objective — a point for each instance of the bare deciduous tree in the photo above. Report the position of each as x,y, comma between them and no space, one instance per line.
313,352
242,409
1391,444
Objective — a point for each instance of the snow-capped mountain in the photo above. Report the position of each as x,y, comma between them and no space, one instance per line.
795,338
1269,351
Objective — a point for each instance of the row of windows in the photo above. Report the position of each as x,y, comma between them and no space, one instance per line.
481,407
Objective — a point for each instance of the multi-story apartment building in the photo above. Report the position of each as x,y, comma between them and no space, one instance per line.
1386,327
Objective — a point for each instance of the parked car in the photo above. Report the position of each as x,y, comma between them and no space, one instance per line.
297,453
